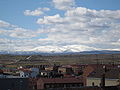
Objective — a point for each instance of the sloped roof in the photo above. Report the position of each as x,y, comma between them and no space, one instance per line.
113,73
61,80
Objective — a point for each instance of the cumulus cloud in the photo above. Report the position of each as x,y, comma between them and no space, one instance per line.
4,24
50,20
22,33
79,29
82,26
7,44
36,12
9,30
63,4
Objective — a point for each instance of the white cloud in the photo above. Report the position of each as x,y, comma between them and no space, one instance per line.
36,12
64,4
45,9
50,20
9,30
33,13
22,33
4,24
78,29
82,26
13,45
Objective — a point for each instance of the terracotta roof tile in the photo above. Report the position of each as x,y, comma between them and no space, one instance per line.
110,74
61,80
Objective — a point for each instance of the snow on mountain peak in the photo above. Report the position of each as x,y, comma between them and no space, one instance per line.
60,49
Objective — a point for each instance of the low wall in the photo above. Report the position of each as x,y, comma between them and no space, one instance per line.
88,88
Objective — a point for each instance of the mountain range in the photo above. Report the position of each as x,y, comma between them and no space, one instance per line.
58,53
70,49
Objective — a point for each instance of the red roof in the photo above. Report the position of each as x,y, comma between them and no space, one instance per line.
61,80
25,70
95,66
87,71
1,71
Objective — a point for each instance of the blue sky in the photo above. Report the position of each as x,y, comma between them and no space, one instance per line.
12,10
58,25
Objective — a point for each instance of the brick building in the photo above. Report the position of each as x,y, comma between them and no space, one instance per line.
47,83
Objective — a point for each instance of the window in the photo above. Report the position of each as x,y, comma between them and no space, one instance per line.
47,86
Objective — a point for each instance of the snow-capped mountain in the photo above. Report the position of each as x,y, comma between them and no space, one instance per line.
61,49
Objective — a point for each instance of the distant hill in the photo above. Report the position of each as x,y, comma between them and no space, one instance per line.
100,52
58,53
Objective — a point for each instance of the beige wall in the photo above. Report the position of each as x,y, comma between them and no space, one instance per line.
108,82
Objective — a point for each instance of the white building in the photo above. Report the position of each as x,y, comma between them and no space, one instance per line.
32,72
